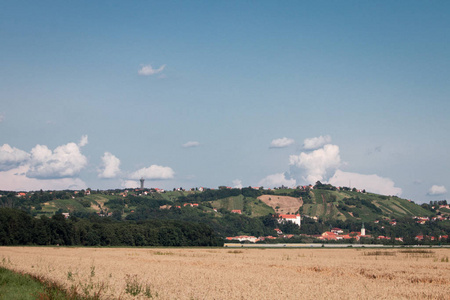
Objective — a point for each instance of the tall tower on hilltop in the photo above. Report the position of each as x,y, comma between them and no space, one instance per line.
142,182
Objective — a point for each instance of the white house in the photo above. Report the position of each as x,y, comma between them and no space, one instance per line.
296,219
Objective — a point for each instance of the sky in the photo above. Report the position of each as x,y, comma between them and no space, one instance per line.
238,93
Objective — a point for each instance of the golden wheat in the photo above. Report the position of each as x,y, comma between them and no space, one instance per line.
186,273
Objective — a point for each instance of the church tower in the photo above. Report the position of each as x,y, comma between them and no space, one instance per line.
363,230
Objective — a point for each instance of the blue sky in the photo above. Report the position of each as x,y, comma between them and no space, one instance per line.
209,93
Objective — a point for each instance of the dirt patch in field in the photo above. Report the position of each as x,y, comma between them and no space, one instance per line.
285,204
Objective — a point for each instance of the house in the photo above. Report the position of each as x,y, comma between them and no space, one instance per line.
278,231
337,230
243,238
296,219
328,235
237,211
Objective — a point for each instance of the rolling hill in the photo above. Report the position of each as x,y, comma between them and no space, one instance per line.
324,204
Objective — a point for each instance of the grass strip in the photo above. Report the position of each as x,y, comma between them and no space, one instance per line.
18,286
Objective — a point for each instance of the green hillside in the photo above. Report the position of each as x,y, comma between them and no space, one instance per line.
350,205
325,202
247,205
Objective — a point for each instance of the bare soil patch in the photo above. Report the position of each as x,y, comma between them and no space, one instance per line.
285,204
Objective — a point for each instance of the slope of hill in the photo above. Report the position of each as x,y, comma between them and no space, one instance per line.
325,203
349,205
282,204
248,205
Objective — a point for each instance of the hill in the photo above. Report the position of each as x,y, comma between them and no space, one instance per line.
228,212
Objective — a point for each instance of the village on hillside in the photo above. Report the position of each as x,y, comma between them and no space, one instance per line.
333,234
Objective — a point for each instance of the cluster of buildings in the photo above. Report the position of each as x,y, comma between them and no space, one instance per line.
337,234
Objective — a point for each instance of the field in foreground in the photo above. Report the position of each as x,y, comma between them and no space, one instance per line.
193,273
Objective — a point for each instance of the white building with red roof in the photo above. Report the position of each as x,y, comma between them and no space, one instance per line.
296,219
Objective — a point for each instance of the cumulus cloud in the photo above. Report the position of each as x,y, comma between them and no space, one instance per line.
437,190
110,166
154,172
11,157
64,161
16,180
148,70
315,166
237,184
191,144
316,142
277,180
371,183
281,143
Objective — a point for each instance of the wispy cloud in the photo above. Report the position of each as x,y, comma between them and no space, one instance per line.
237,183
316,142
191,144
281,143
436,190
148,70
83,141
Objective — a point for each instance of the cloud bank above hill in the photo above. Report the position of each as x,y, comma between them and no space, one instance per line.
321,161
154,172
43,168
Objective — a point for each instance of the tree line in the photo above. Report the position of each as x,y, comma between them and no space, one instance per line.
20,228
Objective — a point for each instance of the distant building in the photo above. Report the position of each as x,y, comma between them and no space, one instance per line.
296,219
142,183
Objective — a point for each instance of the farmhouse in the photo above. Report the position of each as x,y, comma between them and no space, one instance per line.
296,219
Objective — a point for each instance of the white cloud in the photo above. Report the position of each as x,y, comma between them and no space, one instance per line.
191,144
237,184
83,141
64,161
154,172
11,157
371,183
277,180
437,190
315,166
130,184
148,70
316,142
110,166
281,143
16,180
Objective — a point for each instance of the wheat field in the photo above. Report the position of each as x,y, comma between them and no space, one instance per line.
216,273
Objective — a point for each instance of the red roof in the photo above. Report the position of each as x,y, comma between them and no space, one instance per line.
288,216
